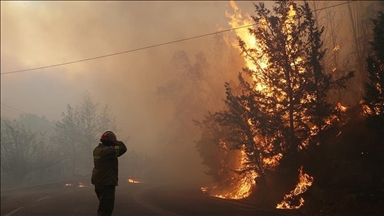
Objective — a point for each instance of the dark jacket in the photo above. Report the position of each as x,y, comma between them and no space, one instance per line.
105,170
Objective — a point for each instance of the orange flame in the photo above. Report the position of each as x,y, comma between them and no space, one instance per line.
238,20
337,48
241,188
305,181
341,107
133,181
238,186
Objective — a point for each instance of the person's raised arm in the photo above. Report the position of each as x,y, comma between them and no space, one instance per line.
120,148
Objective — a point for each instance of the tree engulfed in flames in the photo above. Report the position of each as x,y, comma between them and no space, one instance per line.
305,181
242,186
258,62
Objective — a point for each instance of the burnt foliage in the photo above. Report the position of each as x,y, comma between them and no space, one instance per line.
374,98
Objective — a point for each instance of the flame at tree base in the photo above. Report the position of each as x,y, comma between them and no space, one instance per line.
237,189
238,185
305,181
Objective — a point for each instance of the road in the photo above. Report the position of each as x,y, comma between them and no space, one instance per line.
131,199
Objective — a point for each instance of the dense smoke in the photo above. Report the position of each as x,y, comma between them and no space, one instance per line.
36,34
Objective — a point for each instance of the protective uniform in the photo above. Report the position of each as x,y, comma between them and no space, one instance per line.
105,171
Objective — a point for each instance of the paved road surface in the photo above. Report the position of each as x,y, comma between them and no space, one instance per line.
131,199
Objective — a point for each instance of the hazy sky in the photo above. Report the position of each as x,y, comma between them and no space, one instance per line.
35,34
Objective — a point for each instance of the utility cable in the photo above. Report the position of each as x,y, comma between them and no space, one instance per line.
146,47
24,112
128,51
333,6
13,108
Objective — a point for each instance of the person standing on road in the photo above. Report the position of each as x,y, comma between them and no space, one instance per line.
105,171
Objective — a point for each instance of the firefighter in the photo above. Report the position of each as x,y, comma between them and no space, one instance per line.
105,171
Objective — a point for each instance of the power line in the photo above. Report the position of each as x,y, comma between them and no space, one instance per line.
13,108
24,112
147,47
128,51
333,6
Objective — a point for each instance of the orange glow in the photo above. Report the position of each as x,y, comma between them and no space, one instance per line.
204,189
337,48
341,107
238,186
133,181
367,110
273,161
237,20
241,190
80,185
305,181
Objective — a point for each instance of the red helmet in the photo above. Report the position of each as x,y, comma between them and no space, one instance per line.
108,136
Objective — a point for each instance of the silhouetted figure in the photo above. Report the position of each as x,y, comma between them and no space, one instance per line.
105,171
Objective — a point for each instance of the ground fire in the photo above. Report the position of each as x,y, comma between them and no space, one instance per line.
133,181
241,185
305,181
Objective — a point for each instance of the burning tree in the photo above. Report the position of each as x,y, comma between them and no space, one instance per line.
282,105
288,80
374,98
